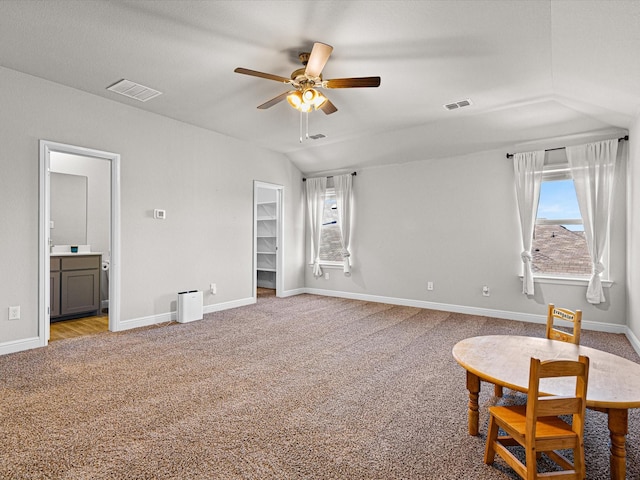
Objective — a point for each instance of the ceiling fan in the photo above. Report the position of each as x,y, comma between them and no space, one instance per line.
307,80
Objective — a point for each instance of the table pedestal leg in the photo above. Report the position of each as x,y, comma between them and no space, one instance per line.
618,429
473,385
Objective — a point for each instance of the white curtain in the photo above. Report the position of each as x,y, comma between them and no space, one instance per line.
316,189
344,195
593,171
528,177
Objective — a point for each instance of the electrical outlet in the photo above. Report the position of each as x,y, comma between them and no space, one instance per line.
14,313
429,286
486,292
326,275
213,288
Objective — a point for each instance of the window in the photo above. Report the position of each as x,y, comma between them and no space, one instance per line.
559,246
330,236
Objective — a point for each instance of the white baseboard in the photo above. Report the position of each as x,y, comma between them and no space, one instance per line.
633,340
485,312
19,345
218,307
171,316
291,293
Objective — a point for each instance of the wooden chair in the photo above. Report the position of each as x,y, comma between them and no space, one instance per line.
553,333
536,426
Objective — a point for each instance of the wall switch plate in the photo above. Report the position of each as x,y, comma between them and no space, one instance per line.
429,286
14,313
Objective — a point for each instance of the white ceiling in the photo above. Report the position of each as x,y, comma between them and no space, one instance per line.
533,69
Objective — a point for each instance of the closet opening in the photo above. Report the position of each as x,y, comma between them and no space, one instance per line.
268,241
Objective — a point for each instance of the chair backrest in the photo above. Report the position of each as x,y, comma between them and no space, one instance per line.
566,315
547,406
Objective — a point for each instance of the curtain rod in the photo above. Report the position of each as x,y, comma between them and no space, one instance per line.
626,137
353,174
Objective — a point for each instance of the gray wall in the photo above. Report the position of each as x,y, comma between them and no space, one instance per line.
204,181
633,287
454,222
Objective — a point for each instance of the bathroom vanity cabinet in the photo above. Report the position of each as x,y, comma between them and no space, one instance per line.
74,285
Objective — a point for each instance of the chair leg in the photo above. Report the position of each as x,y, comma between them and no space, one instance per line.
532,463
578,461
492,436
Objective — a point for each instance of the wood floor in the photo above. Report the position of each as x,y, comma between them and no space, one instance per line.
265,292
79,327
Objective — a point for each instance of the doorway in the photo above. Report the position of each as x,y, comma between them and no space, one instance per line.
75,165
268,245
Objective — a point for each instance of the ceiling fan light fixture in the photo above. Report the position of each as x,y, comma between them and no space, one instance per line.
295,99
306,100
309,96
319,101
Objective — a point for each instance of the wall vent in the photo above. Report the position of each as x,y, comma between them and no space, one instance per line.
460,104
317,136
134,90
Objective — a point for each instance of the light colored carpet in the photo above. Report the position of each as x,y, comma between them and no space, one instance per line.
305,387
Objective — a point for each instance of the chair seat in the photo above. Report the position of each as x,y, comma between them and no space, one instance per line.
547,428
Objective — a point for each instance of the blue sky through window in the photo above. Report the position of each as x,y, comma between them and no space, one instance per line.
558,201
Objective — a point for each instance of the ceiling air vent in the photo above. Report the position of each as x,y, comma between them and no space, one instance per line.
456,105
134,90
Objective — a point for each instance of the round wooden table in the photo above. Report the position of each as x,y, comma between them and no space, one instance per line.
614,382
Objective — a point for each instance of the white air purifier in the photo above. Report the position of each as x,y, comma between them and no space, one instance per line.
189,306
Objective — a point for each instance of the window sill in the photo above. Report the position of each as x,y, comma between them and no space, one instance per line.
581,281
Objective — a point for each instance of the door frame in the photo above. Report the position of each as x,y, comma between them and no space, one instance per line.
44,270
279,232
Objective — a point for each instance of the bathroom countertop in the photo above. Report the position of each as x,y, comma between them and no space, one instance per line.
69,254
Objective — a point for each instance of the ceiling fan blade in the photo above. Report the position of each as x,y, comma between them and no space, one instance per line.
353,82
318,58
268,76
328,108
273,101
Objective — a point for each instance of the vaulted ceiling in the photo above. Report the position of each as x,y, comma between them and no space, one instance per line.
532,69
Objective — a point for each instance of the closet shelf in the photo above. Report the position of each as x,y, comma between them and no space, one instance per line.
266,246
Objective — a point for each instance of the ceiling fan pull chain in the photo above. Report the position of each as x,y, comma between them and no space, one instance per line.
301,125
307,132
